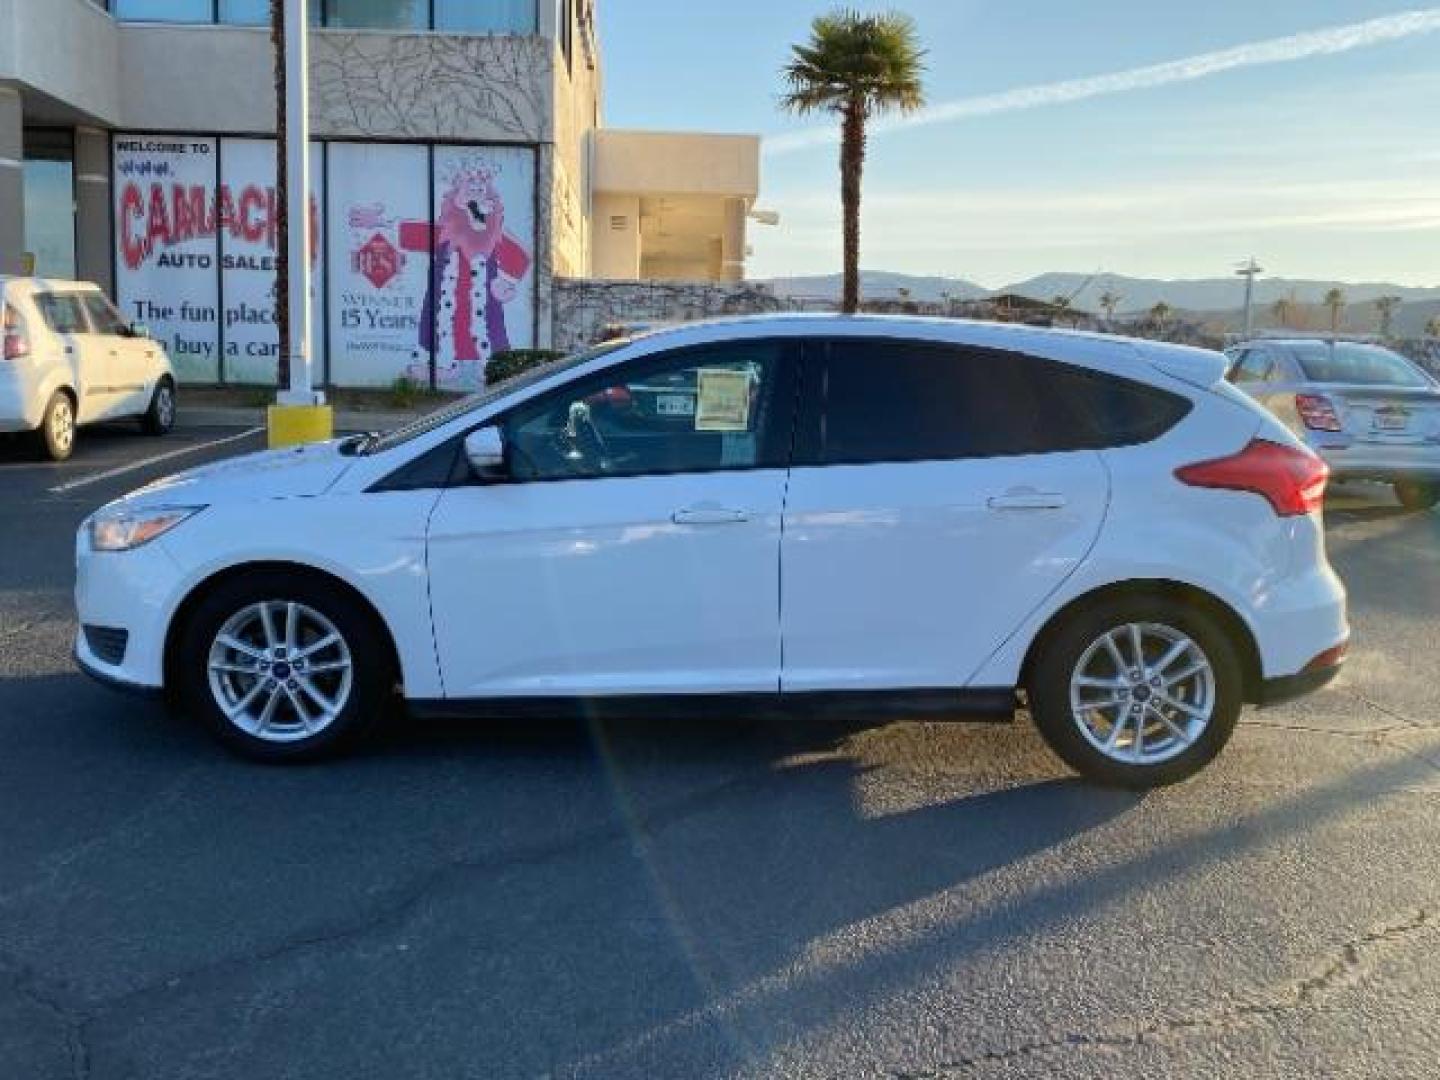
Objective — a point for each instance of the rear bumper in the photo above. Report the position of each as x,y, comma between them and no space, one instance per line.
1370,461
1290,687
20,409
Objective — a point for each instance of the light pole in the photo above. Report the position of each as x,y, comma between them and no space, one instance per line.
1249,270
299,414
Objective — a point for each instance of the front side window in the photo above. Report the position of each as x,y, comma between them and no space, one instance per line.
62,313
895,401
697,410
1361,365
104,319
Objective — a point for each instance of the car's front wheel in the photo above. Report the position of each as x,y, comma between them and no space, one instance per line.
1137,692
159,418
1417,494
282,666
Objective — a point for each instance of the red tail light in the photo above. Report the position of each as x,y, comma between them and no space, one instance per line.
1291,478
15,344
1317,413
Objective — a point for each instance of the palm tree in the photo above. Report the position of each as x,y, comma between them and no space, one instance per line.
1109,301
1386,306
1282,309
855,66
1335,301
1432,328
282,200
1160,314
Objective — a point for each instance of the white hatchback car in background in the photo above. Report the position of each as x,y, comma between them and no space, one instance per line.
908,513
69,358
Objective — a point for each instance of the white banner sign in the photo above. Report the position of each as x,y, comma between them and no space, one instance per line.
166,255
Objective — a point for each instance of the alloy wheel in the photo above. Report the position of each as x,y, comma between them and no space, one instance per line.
1142,693
280,671
62,424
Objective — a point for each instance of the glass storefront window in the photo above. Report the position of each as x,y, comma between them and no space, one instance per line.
489,17
378,14
181,11
49,183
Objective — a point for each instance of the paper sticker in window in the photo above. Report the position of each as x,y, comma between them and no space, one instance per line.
723,400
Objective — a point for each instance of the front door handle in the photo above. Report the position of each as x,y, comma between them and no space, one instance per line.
709,515
1026,500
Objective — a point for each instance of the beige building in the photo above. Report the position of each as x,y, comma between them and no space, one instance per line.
460,163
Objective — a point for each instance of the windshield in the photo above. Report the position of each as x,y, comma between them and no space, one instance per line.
1364,365
456,409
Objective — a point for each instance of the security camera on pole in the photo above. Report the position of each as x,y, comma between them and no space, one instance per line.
299,414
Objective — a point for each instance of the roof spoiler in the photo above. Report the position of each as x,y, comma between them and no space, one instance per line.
1198,367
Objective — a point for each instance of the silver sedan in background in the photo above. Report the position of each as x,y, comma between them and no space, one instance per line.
1368,411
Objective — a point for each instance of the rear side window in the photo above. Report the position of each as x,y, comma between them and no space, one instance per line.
62,313
877,400
1256,365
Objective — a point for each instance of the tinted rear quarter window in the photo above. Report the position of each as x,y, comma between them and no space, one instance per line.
888,400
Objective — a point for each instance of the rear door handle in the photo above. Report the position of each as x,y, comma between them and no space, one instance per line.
709,515
1026,500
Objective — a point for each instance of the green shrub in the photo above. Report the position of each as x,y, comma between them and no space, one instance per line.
404,392
512,362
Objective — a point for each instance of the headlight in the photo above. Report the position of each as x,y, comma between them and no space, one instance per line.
121,528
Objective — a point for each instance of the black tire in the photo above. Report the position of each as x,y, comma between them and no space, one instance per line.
1062,651
56,434
1417,494
372,666
159,418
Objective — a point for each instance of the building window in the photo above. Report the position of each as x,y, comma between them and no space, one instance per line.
490,17
178,11
566,28
245,12
49,200
377,14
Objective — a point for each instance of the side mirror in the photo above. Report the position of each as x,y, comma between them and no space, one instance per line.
139,330
485,450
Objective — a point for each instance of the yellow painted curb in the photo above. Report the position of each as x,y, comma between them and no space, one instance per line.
291,425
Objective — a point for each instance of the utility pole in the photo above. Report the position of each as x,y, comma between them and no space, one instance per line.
1250,270
299,414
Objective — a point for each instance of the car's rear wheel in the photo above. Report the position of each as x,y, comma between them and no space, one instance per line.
57,428
283,667
1417,494
1137,692
159,418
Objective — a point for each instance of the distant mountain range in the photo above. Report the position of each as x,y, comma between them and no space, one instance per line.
1214,299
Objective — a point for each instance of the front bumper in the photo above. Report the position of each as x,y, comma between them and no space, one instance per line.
102,673
131,591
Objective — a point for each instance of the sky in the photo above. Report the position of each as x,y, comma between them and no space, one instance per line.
1304,132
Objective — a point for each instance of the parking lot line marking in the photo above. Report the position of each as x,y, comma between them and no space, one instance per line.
121,470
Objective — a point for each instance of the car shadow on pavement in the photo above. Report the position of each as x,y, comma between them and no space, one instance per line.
576,884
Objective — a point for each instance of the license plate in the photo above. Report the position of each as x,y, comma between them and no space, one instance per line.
675,405
1391,419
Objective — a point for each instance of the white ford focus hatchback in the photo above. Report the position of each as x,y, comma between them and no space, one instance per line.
912,514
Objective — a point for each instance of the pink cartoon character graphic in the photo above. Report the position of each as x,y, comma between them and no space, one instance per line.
477,270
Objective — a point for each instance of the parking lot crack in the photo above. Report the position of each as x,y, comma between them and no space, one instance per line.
1344,968
405,900
31,987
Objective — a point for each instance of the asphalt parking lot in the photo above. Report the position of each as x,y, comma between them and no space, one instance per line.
734,898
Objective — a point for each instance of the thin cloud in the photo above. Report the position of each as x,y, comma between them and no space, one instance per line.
1327,42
